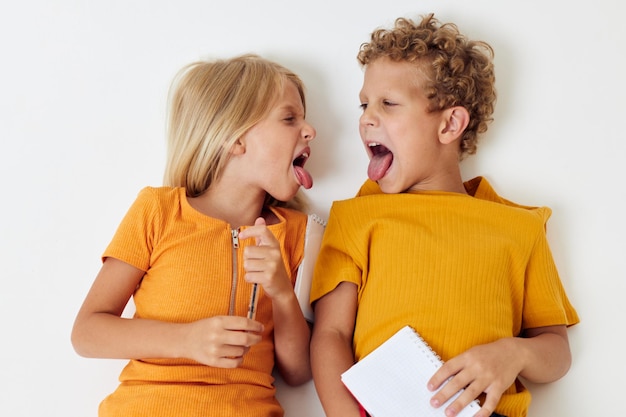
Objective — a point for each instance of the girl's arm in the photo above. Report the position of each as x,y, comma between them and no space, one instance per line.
100,331
331,349
292,336
264,265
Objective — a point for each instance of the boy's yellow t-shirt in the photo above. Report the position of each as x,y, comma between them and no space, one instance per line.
461,269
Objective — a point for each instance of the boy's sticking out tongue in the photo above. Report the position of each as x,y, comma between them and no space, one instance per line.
303,177
379,162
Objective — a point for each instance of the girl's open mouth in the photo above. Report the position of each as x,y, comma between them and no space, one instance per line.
302,175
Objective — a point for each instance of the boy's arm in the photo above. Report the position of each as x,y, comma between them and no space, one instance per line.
541,355
549,355
331,349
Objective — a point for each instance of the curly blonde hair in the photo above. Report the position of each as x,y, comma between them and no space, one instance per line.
458,71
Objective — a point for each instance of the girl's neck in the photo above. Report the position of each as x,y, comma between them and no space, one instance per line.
236,207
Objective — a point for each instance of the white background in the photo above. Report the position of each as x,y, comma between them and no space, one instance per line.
82,114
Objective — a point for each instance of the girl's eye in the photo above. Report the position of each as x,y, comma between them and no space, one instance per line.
388,103
363,106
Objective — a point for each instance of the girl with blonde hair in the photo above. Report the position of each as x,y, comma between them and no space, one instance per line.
190,253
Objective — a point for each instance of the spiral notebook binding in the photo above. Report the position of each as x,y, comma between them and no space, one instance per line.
317,219
435,358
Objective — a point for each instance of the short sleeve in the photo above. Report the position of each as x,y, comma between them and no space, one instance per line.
335,262
135,236
545,300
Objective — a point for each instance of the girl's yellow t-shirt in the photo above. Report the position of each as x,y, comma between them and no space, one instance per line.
191,274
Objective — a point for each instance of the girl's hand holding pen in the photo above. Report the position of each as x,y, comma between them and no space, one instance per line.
265,268
221,341
264,263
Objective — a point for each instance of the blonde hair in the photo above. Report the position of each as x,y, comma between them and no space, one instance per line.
211,105
460,71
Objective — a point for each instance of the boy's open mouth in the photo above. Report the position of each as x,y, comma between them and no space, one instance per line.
380,161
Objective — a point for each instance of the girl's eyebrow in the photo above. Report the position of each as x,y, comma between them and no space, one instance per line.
290,108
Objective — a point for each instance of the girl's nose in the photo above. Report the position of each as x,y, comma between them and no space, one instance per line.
309,132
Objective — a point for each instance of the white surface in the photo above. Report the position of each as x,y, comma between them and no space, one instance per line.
82,106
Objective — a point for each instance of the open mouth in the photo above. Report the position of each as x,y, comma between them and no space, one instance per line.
301,159
380,161
302,175
378,149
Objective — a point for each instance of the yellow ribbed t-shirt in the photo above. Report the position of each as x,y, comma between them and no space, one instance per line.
188,259
461,269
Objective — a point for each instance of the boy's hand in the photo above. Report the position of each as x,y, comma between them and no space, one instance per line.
264,262
490,368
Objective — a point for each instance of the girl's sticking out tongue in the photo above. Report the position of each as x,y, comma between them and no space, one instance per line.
379,163
303,177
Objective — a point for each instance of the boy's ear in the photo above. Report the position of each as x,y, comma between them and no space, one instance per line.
455,120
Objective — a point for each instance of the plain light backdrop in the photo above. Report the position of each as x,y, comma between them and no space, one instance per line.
83,86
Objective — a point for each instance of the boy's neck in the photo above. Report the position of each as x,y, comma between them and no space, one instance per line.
451,189
448,181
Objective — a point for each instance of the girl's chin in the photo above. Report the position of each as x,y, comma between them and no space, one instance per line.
287,195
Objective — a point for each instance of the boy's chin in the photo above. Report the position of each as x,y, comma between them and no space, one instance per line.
387,187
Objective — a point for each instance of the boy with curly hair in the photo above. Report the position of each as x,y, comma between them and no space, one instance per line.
470,271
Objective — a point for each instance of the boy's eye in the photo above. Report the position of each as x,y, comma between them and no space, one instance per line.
385,103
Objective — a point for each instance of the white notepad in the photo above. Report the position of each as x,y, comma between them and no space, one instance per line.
315,227
391,380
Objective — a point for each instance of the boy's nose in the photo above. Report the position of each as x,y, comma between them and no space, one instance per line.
367,118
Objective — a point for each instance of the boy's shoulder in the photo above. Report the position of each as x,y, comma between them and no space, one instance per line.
481,189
